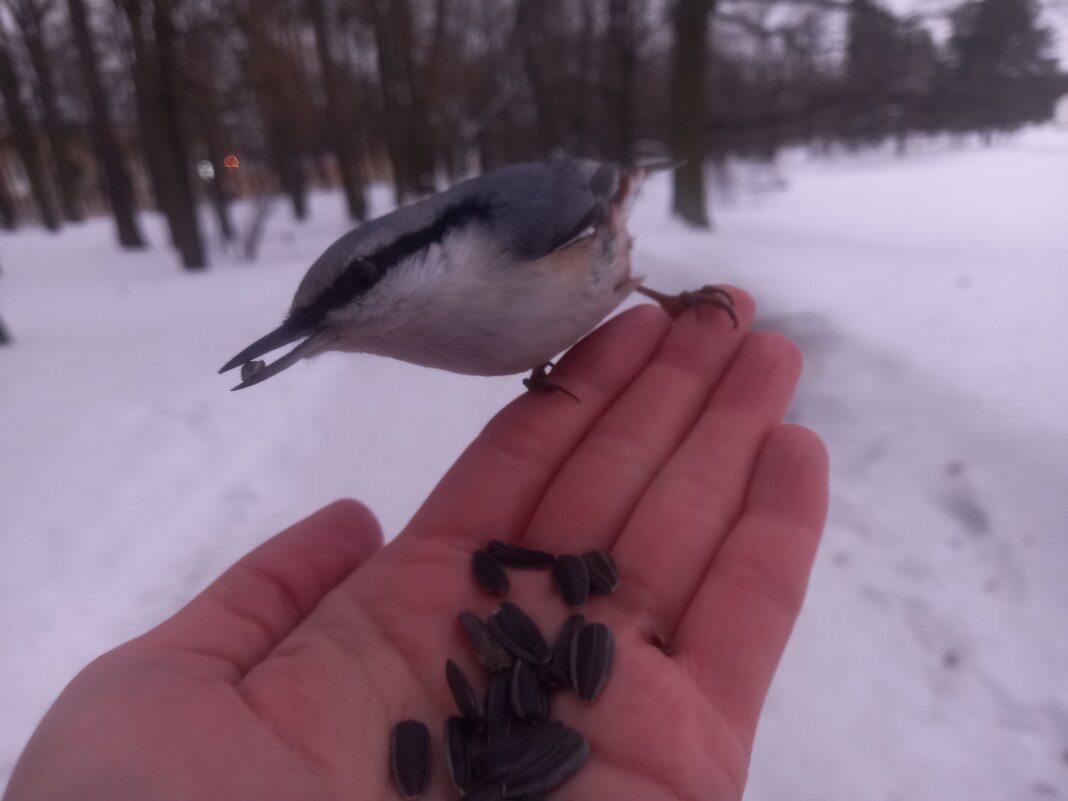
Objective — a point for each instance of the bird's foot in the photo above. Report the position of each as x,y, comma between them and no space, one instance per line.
676,304
539,380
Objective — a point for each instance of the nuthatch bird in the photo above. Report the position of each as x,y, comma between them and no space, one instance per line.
494,276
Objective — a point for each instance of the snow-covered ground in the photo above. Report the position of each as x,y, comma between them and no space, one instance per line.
928,293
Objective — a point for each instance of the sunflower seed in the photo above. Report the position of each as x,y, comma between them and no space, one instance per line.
591,660
467,701
548,765
410,757
489,574
558,672
489,651
250,369
499,708
530,701
519,634
458,751
604,578
486,792
572,579
517,556
497,761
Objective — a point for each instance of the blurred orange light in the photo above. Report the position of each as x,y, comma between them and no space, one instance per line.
231,162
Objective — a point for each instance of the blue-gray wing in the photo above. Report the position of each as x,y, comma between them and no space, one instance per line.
541,207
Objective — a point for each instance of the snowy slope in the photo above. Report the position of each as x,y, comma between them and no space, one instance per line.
928,294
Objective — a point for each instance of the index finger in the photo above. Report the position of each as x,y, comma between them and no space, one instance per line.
495,485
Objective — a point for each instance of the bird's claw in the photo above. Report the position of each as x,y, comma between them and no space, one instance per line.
540,381
676,304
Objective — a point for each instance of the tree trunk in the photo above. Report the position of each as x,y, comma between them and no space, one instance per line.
186,224
220,196
150,124
413,164
30,16
157,78
285,154
350,178
688,109
5,337
8,217
25,140
120,192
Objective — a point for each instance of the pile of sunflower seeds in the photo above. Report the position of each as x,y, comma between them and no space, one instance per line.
504,745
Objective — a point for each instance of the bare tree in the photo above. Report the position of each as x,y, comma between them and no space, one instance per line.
276,76
690,22
31,18
120,193
338,122
8,217
159,81
406,134
25,138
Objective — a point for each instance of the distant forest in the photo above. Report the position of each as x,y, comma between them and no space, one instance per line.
118,106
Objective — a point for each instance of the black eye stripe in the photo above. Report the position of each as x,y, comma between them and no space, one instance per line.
362,274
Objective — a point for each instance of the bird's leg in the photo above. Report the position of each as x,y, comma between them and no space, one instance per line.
677,304
539,380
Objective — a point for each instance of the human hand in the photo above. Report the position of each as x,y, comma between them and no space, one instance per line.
284,678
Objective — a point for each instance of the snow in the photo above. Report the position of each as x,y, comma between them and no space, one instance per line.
926,291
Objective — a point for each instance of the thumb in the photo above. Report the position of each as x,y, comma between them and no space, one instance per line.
254,605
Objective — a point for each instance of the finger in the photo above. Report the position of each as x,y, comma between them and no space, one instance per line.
681,520
734,632
595,491
243,614
492,489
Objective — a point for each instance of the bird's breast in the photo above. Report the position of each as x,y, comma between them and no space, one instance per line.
467,307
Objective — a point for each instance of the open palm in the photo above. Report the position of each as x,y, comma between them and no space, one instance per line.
283,679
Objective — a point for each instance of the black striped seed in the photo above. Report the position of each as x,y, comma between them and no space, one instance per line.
517,556
410,757
499,709
604,578
572,579
486,792
458,751
467,700
497,761
489,574
489,651
558,672
591,660
530,700
548,765
519,634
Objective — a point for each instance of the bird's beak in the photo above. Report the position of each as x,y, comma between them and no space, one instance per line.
312,344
